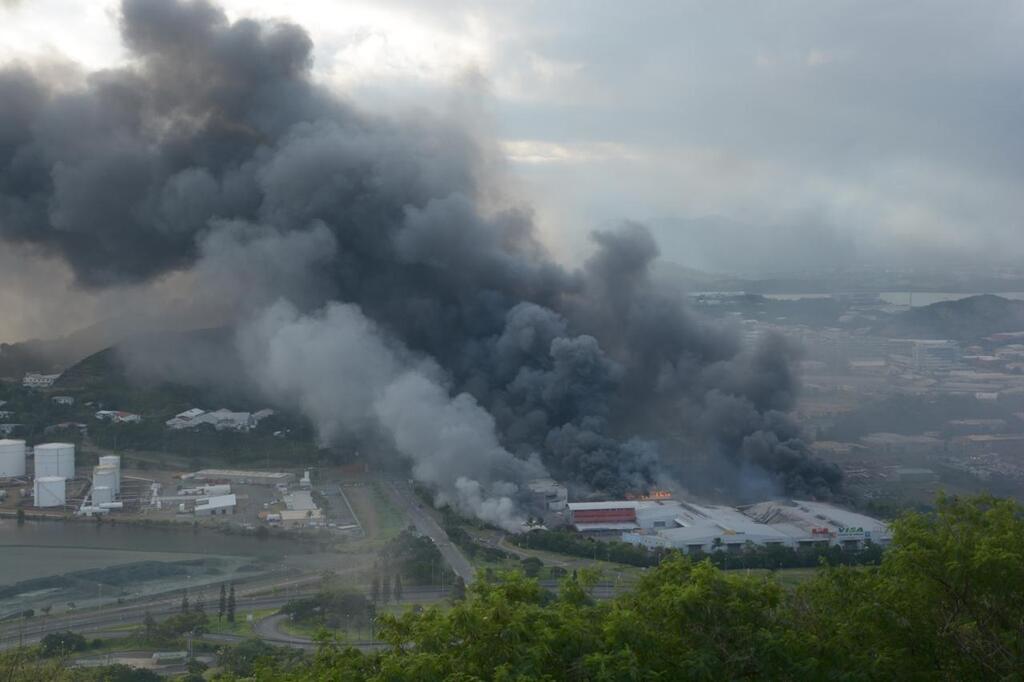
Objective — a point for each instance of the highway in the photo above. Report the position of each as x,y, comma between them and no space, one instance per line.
406,500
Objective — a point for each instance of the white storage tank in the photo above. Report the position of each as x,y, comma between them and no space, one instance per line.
102,495
113,461
12,458
50,491
55,459
104,477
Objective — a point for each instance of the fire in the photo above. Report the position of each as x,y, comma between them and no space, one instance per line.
652,495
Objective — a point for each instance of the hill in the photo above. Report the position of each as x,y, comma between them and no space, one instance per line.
967,319
156,372
55,355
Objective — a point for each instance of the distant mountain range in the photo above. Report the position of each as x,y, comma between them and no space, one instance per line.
967,319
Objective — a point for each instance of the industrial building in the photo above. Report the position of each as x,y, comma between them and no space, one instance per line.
221,505
12,458
820,520
293,518
549,494
206,490
603,517
623,515
692,527
239,476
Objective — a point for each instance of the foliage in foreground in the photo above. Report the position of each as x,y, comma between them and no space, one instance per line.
946,603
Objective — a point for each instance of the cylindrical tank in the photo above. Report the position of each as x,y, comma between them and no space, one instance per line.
12,458
102,495
50,491
113,461
104,477
55,459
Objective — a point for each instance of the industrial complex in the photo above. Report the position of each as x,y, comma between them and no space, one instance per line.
694,528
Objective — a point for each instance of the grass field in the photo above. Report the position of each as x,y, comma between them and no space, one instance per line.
380,519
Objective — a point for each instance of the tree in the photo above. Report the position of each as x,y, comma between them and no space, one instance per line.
149,624
946,603
222,602
62,644
385,592
397,588
531,566
20,516
231,604
184,603
375,589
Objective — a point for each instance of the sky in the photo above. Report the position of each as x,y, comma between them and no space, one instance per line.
752,137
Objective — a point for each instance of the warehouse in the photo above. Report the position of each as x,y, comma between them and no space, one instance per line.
821,522
220,505
707,528
603,517
790,523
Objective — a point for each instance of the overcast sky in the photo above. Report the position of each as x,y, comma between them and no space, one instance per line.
751,136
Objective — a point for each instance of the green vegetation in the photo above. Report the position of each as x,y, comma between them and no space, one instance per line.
945,603
415,559
241,660
331,608
62,644
752,556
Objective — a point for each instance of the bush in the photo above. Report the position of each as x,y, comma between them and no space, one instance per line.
62,644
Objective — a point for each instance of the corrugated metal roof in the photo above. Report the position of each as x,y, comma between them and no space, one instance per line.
590,506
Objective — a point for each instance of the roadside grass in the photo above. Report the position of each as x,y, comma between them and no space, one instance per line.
380,519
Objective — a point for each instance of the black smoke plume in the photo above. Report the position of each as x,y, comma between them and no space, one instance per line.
381,286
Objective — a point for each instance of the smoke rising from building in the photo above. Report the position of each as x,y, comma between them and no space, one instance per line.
374,275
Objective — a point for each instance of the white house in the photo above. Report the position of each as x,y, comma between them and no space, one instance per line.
186,419
36,380
63,400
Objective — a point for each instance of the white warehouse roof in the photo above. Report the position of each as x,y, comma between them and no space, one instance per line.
218,502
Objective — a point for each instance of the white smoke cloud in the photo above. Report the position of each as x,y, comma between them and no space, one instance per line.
348,377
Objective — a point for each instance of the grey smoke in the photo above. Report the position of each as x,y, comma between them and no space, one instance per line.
341,370
213,154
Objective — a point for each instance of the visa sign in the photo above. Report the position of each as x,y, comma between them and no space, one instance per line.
851,530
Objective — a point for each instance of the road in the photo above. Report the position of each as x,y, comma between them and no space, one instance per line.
109,623
406,500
